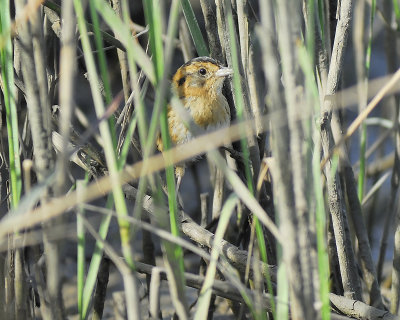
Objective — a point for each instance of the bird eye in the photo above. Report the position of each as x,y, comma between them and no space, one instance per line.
203,71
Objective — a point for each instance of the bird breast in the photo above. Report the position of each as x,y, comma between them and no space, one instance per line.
207,114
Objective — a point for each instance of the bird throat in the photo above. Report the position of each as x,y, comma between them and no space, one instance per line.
208,113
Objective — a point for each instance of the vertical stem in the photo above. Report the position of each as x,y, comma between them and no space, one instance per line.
35,77
350,280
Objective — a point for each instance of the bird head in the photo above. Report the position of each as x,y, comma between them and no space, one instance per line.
200,77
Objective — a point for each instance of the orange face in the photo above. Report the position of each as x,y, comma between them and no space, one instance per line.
200,77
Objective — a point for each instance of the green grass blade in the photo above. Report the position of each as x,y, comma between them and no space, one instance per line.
323,259
7,73
194,28
322,22
396,8
264,258
80,234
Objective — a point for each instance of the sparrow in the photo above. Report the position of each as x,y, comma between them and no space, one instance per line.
198,84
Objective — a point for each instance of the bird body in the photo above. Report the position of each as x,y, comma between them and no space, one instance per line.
198,84
207,114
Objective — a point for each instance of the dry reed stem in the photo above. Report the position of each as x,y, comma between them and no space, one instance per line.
293,219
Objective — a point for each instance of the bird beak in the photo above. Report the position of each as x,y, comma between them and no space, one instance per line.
224,72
